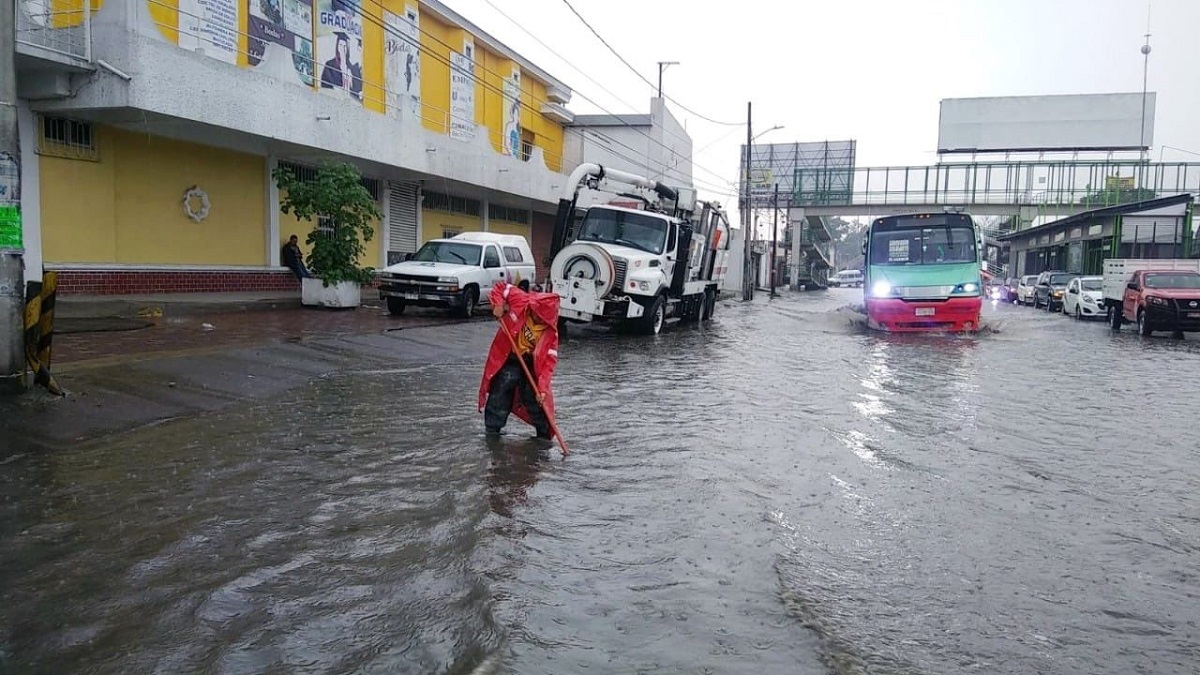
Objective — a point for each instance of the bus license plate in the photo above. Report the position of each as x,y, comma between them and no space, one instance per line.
925,311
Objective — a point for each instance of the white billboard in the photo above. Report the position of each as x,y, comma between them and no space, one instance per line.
1050,123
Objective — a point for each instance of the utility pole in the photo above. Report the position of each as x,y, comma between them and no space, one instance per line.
662,65
12,281
747,285
775,240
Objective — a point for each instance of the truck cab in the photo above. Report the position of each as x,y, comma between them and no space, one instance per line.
457,273
1162,300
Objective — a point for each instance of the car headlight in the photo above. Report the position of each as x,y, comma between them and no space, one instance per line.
881,289
1155,300
447,280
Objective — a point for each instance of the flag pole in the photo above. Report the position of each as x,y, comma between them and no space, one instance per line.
533,384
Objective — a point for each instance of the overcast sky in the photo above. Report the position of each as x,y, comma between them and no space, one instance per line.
869,70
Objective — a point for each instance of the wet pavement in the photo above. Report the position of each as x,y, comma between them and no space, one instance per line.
777,492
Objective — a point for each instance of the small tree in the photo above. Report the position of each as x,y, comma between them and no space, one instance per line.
343,207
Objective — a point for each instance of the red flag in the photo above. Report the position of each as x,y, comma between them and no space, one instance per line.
545,352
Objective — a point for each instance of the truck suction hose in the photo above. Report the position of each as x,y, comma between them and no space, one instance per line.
593,174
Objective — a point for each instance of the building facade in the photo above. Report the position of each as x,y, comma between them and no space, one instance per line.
150,130
654,145
1157,228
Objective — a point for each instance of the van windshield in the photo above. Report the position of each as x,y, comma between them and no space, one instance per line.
449,252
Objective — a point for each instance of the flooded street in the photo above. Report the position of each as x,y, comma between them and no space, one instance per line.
779,492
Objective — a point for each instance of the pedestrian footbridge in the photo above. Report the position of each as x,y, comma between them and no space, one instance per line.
1023,193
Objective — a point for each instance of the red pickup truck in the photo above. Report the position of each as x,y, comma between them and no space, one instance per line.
1166,300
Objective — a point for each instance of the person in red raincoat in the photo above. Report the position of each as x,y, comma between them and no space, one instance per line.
532,321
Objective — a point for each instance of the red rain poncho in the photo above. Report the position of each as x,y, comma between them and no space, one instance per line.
545,353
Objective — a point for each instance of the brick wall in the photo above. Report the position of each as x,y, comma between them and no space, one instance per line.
130,282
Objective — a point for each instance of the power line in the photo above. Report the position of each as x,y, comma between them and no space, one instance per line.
635,70
495,89
589,78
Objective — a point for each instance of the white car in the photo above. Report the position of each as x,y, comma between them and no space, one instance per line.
847,278
457,273
1084,298
1025,289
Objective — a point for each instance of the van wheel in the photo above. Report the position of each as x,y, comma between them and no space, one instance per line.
395,306
470,302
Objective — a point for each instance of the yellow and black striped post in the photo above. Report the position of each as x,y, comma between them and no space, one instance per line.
39,330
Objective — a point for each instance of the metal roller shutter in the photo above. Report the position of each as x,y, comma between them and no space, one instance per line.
402,220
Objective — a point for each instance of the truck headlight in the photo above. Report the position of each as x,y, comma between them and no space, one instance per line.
881,289
447,280
1155,300
644,286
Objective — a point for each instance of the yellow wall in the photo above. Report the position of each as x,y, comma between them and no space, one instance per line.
433,222
505,227
127,207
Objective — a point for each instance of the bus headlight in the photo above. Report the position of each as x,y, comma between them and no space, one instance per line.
881,289
968,288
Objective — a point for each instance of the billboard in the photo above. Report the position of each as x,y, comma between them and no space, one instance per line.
1071,122
806,173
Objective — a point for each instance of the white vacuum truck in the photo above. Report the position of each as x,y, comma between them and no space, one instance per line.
637,267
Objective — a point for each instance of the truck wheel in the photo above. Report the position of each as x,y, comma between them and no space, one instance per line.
1143,324
706,309
652,321
395,306
470,302
524,285
1114,317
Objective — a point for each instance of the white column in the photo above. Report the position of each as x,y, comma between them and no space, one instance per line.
385,233
31,192
483,214
797,222
272,212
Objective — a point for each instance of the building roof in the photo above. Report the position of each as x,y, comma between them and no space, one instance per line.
633,120
1119,210
496,46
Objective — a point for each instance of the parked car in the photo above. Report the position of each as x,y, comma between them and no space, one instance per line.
1164,297
457,273
1050,287
1084,298
847,278
1025,289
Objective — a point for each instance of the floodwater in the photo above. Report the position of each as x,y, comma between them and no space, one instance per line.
779,492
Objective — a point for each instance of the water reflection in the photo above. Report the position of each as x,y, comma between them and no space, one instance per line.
515,469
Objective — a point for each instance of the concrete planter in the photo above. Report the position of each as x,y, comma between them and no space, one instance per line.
314,293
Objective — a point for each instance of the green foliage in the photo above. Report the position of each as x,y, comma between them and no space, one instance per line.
338,197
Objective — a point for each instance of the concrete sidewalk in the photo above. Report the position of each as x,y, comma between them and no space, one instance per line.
123,393
171,304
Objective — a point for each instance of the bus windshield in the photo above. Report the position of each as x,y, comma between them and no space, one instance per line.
923,246
609,226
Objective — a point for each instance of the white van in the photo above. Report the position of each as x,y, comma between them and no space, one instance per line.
847,278
457,273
